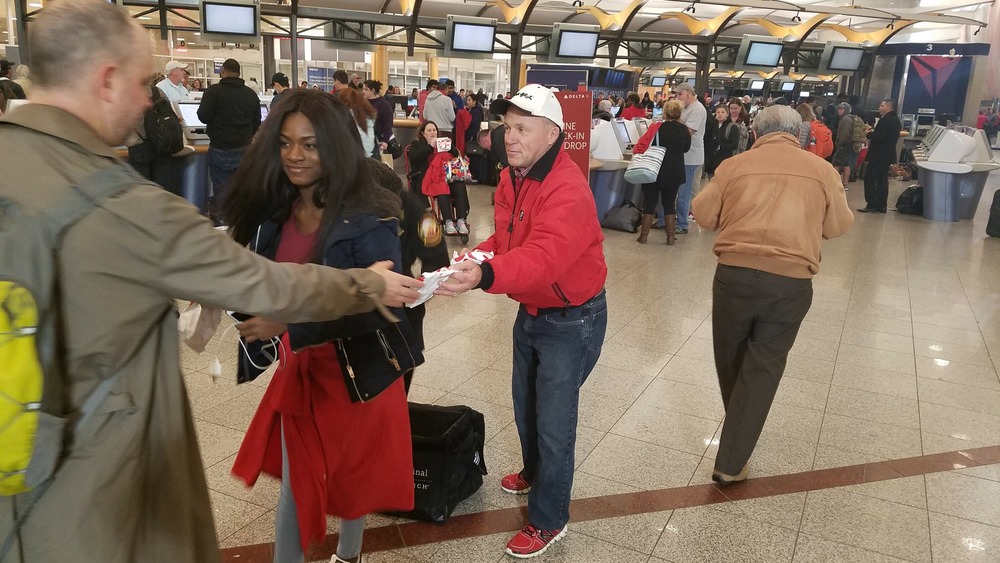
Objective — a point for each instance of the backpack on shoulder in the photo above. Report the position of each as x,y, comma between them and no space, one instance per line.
33,417
744,141
859,133
820,139
163,133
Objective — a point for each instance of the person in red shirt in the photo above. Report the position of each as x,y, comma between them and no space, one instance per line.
422,98
633,108
549,257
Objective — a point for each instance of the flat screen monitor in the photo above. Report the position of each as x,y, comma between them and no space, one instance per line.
657,112
622,132
845,59
614,110
658,81
692,81
805,94
763,54
756,85
229,19
263,111
472,37
189,113
411,102
578,44
642,126
787,86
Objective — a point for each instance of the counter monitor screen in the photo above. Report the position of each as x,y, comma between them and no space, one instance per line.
189,113
263,112
229,19
845,59
614,110
622,132
658,81
763,54
787,86
657,112
472,38
757,85
578,44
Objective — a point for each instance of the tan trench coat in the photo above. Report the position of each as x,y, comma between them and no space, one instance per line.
133,487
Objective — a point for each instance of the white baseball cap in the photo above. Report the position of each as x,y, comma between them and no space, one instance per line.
534,99
172,65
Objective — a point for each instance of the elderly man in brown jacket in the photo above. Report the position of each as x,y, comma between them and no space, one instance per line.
772,205
132,487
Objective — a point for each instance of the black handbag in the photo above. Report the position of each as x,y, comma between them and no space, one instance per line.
473,148
393,147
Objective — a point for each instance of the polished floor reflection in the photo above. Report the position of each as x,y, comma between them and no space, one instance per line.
896,362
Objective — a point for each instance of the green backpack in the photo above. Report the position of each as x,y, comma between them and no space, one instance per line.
33,418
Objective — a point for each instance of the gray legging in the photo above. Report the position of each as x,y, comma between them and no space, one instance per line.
287,544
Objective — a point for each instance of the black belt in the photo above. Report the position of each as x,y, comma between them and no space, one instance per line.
563,310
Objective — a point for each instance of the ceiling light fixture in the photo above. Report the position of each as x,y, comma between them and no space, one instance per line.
577,3
892,25
690,8
978,29
796,18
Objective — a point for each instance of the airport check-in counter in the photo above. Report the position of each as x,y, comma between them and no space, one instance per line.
611,145
954,167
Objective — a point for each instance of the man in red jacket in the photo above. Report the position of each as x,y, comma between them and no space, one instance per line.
549,258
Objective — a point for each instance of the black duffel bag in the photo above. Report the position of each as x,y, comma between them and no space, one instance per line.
448,461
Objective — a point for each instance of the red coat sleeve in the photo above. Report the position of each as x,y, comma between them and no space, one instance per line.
647,138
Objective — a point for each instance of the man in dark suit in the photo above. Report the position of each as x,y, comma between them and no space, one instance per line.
881,154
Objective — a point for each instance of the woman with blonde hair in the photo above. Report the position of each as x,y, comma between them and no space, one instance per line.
675,137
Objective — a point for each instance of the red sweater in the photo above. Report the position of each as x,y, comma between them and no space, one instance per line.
633,112
548,240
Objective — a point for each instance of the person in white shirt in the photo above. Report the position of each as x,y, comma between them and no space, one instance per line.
173,85
695,117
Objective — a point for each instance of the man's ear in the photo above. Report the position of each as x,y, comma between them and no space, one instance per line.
554,135
105,78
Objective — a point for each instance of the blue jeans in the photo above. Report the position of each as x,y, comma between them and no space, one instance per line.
684,195
222,164
554,353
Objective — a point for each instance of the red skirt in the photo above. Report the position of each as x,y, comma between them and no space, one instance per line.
346,459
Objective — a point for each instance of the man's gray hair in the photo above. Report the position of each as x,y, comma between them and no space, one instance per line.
604,105
891,102
774,119
69,38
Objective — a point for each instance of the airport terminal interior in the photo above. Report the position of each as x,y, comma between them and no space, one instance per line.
883,442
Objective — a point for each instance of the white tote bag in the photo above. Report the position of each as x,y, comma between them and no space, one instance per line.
645,167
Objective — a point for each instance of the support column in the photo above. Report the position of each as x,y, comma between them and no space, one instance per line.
380,64
270,67
702,69
432,67
21,9
293,25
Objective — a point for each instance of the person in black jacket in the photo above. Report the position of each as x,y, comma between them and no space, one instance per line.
881,154
230,111
372,91
477,164
722,139
675,137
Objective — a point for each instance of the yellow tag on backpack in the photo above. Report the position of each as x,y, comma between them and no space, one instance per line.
21,382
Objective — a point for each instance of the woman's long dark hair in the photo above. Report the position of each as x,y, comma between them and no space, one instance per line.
422,128
260,190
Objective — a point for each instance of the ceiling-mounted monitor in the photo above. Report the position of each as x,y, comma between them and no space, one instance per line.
233,18
756,85
658,81
787,86
758,52
574,43
841,57
469,37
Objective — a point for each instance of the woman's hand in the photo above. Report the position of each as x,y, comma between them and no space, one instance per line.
259,328
383,146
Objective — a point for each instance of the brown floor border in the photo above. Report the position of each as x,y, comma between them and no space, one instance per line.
511,519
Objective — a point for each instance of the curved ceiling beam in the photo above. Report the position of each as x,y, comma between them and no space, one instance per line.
514,15
798,32
870,38
614,22
704,28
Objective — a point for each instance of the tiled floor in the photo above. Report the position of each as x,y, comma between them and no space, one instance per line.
897,359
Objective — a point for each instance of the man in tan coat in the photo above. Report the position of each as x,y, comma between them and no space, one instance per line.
772,205
132,488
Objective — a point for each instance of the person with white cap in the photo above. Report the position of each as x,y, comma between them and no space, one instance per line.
173,85
549,257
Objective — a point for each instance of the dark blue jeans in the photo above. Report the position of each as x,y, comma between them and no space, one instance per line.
554,353
222,164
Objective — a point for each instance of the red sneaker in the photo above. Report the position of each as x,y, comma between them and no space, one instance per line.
531,541
515,484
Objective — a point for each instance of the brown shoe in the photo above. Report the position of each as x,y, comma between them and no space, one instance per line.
670,225
644,227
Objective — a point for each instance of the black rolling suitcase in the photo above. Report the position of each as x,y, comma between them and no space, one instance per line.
993,225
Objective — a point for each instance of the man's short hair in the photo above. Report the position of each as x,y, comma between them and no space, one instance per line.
231,65
69,36
5,67
891,102
775,119
844,106
450,82
340,75
604,105
442,85
432,84
280,78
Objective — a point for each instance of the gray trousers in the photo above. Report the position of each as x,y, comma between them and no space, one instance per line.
287,543
755,318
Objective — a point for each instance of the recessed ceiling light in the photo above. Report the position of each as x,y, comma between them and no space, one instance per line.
34,5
